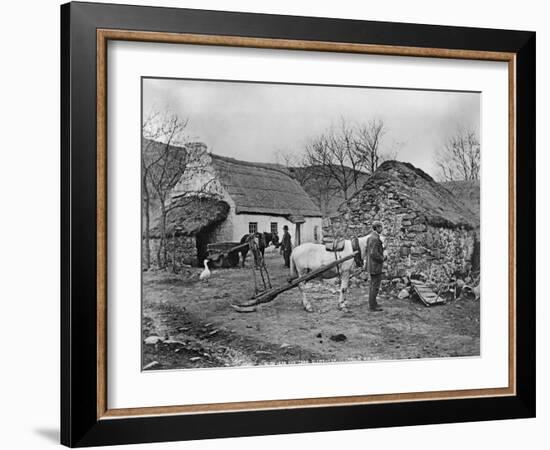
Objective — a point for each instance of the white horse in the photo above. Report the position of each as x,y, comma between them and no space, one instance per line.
308,257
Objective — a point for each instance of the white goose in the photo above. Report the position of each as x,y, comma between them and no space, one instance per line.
205,274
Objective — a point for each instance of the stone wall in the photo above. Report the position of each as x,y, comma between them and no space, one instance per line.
413,246
185,251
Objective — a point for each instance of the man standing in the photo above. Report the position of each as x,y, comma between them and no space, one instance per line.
375,261
286,246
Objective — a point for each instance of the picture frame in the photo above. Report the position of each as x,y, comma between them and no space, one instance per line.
86,418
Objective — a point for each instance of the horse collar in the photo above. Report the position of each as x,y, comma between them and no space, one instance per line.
358,258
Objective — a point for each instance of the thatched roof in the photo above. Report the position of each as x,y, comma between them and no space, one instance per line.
467,192
192,216
414,190
262,188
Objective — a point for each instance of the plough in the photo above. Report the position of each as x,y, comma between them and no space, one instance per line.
269,294
228,252
265,293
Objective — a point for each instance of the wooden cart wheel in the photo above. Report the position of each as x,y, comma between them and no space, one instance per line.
232,259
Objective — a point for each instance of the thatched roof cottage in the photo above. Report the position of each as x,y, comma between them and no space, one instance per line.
233,198
427,229
264,198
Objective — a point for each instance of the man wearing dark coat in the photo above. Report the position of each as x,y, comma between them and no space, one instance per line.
286,246
375,262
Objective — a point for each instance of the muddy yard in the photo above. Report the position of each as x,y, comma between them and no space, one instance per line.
190,324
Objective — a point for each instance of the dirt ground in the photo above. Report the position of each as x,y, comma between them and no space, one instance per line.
198,328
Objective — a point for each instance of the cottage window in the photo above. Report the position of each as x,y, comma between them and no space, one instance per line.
274,227
316,233
252,227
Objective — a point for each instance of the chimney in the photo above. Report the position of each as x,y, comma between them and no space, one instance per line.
199,147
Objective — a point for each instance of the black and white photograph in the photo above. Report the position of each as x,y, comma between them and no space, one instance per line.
299,224
276,225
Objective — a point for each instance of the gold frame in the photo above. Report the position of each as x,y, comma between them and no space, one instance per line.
103,36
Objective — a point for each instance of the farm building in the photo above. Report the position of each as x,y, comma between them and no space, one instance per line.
427,229
224,199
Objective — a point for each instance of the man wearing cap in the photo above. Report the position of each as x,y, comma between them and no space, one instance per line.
374,263
286,246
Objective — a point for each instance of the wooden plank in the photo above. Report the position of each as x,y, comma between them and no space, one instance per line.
425,294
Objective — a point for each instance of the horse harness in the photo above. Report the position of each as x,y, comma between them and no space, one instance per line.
358,257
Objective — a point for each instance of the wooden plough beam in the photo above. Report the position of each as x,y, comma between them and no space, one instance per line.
270,295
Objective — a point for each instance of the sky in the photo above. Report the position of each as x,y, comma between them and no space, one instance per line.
254,121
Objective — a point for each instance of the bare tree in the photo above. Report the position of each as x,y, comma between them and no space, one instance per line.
313,178
346,138
330,155
338,159
367,142
166,157
460,157
153,131
322,189
346,152
162,164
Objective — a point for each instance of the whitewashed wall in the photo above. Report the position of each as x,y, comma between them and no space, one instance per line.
240,226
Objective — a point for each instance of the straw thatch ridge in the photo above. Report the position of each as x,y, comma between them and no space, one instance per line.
192,217
262,188
414,190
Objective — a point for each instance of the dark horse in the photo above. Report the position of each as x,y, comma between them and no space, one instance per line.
264,239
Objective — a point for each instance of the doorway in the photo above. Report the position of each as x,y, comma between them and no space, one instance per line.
202,239
298,234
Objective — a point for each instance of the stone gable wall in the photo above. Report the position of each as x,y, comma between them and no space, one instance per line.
185,251
413,246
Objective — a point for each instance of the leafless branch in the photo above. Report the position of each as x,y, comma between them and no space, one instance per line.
460,157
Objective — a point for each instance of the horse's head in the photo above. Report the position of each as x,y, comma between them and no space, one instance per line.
275,239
